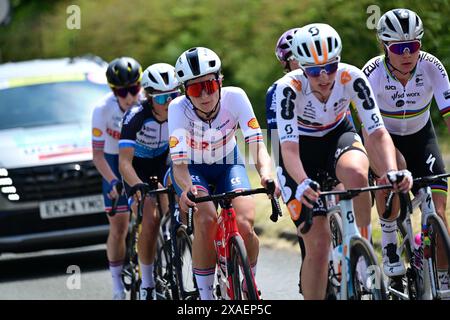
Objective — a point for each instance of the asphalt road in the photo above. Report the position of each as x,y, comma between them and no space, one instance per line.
53,275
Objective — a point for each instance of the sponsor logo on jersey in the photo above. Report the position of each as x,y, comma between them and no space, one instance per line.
388,87
96,132
371,67
295,208
397,95
436,62
297,84
447,94
253,123
419,80
173,141
345,77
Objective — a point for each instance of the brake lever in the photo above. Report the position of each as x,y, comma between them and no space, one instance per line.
308,211
276,209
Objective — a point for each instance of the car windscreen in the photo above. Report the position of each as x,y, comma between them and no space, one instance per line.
49,104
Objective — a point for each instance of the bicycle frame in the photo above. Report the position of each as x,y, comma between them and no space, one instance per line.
427,289
227,228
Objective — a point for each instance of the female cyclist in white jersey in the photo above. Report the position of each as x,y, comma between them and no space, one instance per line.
404,81
204,152
124,76
316,135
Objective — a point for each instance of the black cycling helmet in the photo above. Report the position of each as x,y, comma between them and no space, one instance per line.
123,72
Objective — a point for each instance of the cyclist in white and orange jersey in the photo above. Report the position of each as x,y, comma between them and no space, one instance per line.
316,135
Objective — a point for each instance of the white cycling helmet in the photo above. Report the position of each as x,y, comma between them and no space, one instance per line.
316,44
160,77
400,25
196,62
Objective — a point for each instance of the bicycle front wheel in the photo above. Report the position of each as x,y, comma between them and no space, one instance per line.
241,272
187,285
440,257
366,279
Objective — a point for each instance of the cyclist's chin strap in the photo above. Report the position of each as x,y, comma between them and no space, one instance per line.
389,64
207,114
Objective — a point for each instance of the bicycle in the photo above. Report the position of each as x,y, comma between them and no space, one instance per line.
233,266
421,279
348,248
174,276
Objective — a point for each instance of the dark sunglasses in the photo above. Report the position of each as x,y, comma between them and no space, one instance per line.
404,47
317,70
163,98
123,92
210,86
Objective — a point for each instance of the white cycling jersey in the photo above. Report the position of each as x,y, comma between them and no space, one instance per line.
106,125
299,112
406,109
208,142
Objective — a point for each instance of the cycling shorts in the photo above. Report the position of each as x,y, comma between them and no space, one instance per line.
122,205
422,155
318,155
217,177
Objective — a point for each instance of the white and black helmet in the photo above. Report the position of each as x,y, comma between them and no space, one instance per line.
316,44
196,62
400,25
159,77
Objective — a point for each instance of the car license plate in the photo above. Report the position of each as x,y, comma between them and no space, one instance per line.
71,207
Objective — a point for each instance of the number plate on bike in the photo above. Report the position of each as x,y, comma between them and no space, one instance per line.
71,207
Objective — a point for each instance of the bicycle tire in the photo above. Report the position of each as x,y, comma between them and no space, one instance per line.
360,247
187,286
240,267
437,230
163,284
333,286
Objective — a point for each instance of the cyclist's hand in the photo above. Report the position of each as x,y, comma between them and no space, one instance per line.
185,203
138,190
401,180
264,180
305,194
113,193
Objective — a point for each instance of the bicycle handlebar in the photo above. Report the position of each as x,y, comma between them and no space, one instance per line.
228,196
119,188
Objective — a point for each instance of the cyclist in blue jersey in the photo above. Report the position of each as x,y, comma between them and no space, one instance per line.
124,76
143,153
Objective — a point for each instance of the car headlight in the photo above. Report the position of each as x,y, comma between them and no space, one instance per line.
7,186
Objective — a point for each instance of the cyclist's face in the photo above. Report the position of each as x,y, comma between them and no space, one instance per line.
323,83
128,101
205,102
405,62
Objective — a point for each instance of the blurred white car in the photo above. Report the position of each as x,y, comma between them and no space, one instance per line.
50,190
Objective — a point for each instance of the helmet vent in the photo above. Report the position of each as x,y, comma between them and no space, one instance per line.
389,24
330,44
150,75
192,59
318,48
305,48
212,63
165,77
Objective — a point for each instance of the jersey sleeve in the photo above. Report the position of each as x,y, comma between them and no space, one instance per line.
98,128
440,83
246,116
131,124
363,98
285,97
177,132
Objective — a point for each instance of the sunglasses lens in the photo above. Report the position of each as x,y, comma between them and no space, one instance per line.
134,90
210,86
315,71
163,98
194,90
123,92
404,47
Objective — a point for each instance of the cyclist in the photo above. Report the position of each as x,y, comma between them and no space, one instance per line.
316,134
123,75
404,80
143,153
203,148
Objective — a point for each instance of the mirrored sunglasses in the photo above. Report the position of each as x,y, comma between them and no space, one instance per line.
196,89
163,98
315,71
404,47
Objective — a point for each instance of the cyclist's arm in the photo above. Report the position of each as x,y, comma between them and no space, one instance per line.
291,160
126,168
102,165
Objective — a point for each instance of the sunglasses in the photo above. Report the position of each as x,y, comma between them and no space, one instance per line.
123,92
315,71
404,47
163,98
196,89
